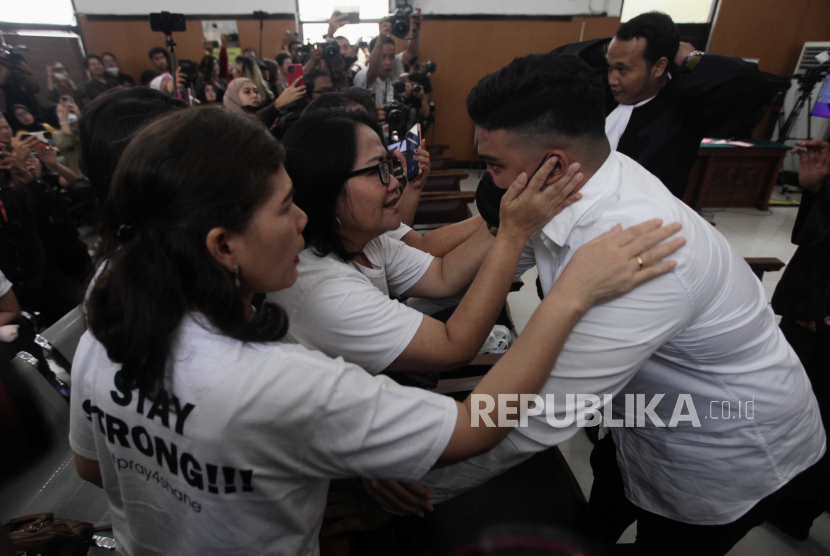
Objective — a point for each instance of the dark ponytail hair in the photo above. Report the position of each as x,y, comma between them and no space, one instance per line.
321,150
183,175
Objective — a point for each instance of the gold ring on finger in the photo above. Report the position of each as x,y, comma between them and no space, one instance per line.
640,261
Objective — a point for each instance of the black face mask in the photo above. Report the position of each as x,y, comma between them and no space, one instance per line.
488,199
252,109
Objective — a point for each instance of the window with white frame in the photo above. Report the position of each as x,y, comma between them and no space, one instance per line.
51,12
681,11
315,14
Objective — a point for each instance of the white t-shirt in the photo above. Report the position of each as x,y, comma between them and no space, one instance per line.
5,285
384,91
344,309
235,456
399,232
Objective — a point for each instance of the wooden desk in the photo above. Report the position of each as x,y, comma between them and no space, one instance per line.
726,176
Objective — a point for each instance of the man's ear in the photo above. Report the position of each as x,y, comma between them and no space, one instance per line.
563,160
219,247
660,67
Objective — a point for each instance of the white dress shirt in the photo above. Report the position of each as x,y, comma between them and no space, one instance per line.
704,329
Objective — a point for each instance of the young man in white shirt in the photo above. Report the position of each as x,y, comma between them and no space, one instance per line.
702,335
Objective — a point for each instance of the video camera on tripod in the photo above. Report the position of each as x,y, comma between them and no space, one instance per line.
12,56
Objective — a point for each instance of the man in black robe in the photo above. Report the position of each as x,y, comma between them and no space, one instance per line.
667,96
802,298
662,98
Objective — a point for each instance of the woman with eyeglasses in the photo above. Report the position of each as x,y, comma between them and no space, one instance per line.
341,302
208,433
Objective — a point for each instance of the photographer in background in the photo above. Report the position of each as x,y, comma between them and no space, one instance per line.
111,67
17,82
294,46
349,55
384,65
414,96
99,81
59,84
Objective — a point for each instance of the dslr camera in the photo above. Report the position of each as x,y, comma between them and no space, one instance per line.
331,49
11,56
418,74
190,71
397,115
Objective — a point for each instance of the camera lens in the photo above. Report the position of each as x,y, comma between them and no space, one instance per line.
331,51
395,117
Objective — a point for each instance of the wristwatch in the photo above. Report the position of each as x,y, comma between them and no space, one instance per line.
691,61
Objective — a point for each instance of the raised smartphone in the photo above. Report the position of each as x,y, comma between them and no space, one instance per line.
413,141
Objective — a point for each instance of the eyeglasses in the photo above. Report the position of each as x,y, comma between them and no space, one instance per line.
384,171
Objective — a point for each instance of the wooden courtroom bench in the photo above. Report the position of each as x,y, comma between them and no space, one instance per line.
445,180
759,265
436,149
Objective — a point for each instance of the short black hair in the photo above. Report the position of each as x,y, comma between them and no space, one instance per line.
147,76
659,31
386,40
92,56
109,123
345,100
311,77
108,54
541,94
156,50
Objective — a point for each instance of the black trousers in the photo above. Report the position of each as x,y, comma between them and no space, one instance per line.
613,512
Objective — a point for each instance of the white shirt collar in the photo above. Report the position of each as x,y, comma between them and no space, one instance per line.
595,189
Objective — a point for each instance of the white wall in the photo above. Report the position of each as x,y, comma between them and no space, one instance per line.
517,7
144,7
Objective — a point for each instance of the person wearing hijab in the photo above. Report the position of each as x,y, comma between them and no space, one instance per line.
22,120
243,97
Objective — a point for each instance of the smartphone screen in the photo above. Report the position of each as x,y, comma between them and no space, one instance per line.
413,141
295,72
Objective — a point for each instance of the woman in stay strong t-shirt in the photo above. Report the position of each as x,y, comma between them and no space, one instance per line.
209,435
